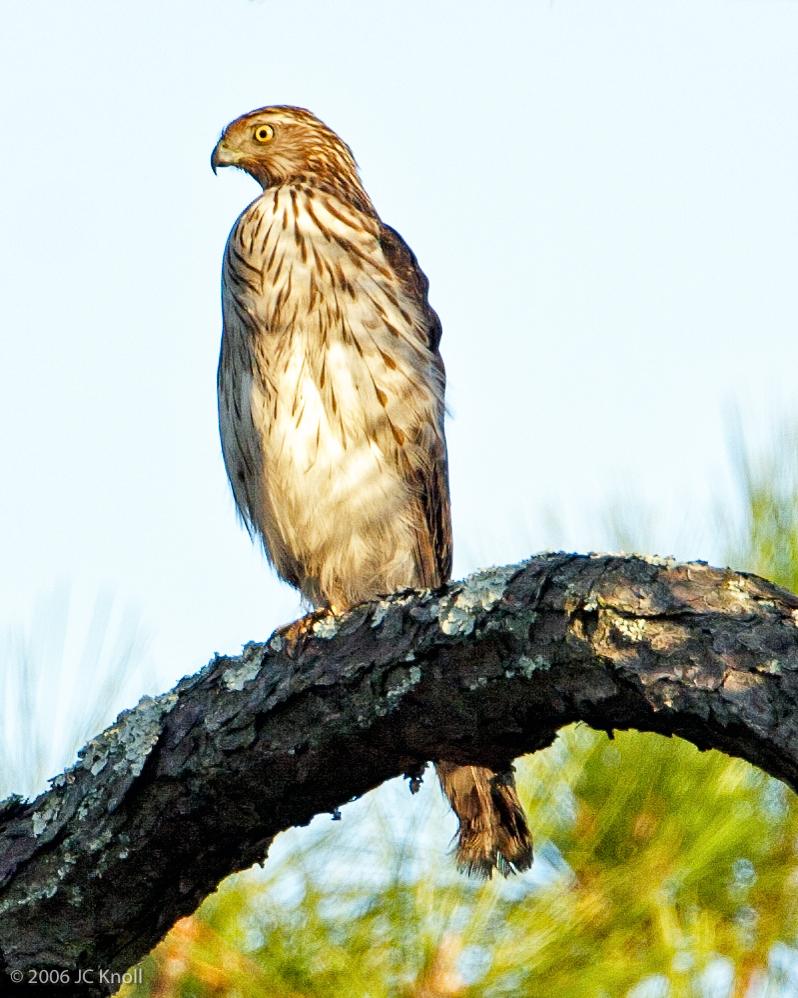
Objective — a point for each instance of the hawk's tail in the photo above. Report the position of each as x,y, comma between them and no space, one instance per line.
493,831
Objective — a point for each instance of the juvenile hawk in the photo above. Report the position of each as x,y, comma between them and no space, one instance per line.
331,406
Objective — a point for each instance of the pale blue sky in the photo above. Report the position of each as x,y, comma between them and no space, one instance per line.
603,195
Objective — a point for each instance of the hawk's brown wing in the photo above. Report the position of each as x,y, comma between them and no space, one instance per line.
431,478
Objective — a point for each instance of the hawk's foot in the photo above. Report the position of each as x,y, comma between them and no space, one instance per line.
303,628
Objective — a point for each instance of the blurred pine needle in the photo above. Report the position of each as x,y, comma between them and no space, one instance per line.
63,678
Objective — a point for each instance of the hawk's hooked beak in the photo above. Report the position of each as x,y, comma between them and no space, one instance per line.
222,155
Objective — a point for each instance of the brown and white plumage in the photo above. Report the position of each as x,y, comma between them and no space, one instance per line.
331,402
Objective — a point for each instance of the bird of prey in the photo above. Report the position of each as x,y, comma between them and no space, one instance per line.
331,407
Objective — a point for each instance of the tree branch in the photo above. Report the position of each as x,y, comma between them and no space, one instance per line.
188,787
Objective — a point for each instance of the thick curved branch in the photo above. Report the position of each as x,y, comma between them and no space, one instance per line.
188,787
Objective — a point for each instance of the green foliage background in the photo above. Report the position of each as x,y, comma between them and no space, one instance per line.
660,871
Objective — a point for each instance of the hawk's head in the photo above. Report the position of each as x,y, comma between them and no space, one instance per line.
278,144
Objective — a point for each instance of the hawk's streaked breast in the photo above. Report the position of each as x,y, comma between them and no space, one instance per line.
323,436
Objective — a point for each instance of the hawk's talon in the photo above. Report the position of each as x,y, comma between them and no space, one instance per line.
300,629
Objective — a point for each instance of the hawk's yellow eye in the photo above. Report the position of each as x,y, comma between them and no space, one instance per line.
264,133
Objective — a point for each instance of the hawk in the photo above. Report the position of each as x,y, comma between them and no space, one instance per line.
331,407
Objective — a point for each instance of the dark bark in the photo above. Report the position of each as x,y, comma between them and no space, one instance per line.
188,787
